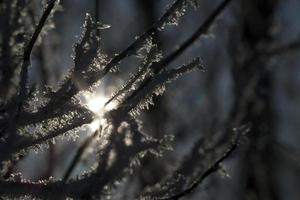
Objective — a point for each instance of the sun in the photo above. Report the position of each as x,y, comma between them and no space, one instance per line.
96,103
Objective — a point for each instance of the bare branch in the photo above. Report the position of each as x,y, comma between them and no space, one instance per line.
292,46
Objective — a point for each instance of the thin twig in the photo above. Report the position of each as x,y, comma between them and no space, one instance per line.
292,46
97,15
151,32
79,154
199,32
213,168
23,143
28,50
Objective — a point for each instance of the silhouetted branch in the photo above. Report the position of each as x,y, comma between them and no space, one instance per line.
28,50
213,168
289,153
97,14
79,153
292,46
203,29
131,49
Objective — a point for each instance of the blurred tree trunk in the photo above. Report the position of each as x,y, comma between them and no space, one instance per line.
252,76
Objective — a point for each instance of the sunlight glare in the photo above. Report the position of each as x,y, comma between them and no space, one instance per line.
96,103
95,125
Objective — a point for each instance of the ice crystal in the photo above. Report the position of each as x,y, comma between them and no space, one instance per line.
175,16
157,86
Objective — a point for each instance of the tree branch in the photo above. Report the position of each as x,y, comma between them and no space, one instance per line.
79,153
204,27
213,168
29,47
14,117
292,46
158,66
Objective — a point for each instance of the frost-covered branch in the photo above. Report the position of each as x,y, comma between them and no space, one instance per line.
156,86
203,28
92,183
213,168
79,153
28,49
